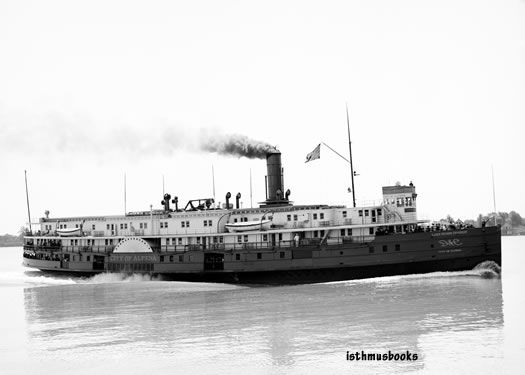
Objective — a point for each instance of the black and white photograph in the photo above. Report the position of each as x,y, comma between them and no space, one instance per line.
262,187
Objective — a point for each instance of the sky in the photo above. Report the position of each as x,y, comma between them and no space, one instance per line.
90,91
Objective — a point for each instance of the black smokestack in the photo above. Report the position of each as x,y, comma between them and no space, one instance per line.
275,176
237,145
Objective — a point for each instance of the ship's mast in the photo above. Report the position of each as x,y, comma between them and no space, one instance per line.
27,199
251,201
213,181
494,195
125,198
350,151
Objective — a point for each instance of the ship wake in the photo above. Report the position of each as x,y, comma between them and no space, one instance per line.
485,270
108,278
42,278
488,270
33,278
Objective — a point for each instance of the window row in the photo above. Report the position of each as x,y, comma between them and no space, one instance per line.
397,247
377,212
400,201
259,255
179,240
171,258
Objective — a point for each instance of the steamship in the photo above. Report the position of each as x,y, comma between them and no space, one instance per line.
275,243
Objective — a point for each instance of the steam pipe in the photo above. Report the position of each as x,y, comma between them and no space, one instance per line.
237,197
228,196
175,200
166,202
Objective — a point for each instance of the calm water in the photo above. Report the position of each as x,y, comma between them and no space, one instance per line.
457,322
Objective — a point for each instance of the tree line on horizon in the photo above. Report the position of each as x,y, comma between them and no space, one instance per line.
511,218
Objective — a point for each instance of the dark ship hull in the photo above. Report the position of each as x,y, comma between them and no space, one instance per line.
385,255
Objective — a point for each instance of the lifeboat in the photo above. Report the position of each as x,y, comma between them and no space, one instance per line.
246,226
69,232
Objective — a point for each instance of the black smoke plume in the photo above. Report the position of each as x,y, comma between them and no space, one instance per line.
59,134
237,145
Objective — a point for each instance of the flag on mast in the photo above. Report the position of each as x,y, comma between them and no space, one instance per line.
315,154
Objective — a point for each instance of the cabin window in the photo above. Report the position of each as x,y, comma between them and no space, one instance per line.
344,214
398,247
221,239
187,224
126,226
295,217
315,216
316,234
371,230
73,242
234,220
161,225
371,249
385,248
379,212
289,217
349,231
106,242
259,256
198,240
162,258
245,238
265,237
321,216
180,258
239,239
121,226
342,232
237,256
281,254
205,223
145,225
360,212
88,258
214,239
107,226
280,236
76,242
210,223
367,213
182,224
180,241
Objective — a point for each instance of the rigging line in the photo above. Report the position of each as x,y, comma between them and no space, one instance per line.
345,159
350,152
27,199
